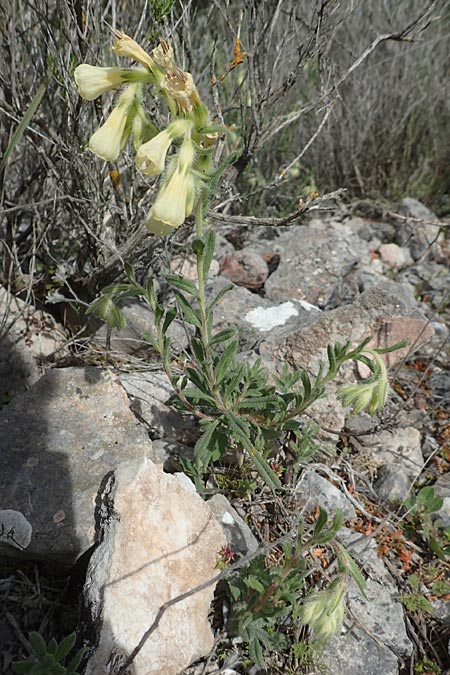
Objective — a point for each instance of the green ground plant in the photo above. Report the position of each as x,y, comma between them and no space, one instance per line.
419,518
84,225
46,659
242,409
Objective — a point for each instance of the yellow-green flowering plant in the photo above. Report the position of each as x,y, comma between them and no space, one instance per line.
237,403
241,408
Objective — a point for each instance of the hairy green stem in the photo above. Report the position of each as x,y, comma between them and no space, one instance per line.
202,305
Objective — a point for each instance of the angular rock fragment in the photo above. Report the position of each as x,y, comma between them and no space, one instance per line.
245,268
314,490
238,534
160,541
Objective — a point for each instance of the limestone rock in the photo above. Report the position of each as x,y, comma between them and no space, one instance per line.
382,613
417,236
375,309
186,266
315,263
441,611
401,447
238,534
394,256
442,489
15,529
57,442
415,329
258,317
160,540
393,483
354,652
148,391
170,453
313,490
27,337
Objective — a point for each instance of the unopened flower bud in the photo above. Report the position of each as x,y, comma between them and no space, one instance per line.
324,611
370,395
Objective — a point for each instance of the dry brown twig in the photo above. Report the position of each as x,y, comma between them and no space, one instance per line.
418,221
313,203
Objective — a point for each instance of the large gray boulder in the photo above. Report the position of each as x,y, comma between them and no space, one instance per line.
58,441
388,312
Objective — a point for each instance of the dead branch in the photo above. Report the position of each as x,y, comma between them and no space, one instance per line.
313,203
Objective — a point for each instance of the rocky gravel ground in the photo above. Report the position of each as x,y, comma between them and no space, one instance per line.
90,458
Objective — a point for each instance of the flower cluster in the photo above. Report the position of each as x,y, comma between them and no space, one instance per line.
188,129
324,611
370,395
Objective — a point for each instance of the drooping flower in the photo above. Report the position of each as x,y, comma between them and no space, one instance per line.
370,395
173,204
92,81
109,139
151,156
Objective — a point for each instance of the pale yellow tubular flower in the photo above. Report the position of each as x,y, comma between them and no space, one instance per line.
109,139
163,55
186,156
125,46
92,81
190,201
151,156
170,208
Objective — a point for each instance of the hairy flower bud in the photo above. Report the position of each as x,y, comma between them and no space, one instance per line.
370,395
324,611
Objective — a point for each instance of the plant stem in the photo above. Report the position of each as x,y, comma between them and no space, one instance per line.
202,302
